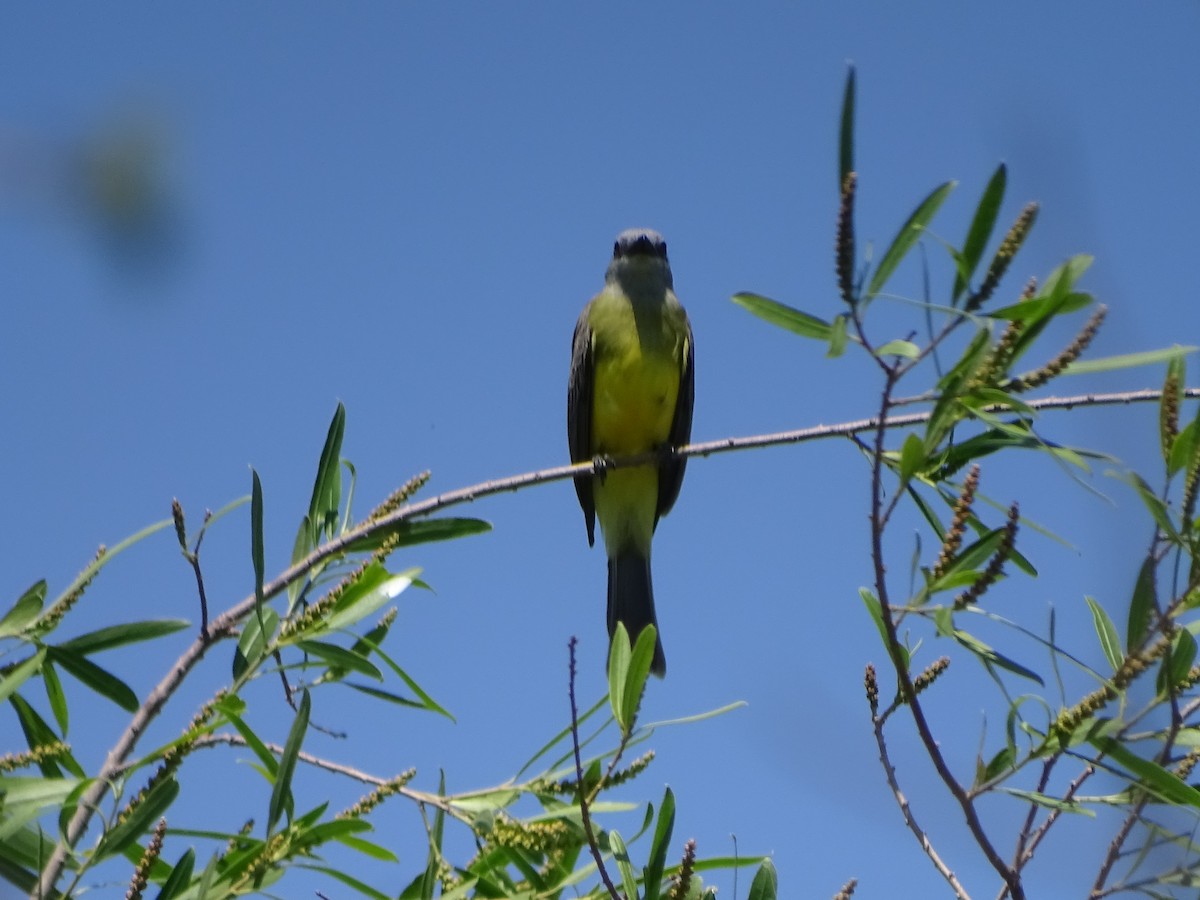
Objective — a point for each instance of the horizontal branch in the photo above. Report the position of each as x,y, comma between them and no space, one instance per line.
225,625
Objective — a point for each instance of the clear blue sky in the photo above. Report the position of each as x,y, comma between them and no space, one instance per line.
404,207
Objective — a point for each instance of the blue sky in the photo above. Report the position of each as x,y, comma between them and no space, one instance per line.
404,207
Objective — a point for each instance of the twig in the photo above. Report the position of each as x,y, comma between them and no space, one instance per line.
583,809
224,626
906,811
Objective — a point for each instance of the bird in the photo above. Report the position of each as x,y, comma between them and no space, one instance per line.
631,390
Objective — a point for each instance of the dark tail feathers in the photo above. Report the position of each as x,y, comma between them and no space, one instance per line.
631,600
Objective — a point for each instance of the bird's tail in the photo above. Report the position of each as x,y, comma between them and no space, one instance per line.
631,600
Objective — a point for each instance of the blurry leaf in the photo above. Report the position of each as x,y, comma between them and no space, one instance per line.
20,674
1178,662
912,456
846,133
876,612
905,349
1127,360
981,230
386,696
180,877
1038,309
1150,775
663,829
256,539
1107,632
24,611
340,658
624,867
265,756
619,655
140,820
421,531
990,656
1142,604
89,572
327,490
372,590
374,851
99,680
837,337
785,316
427,702
1068,806
256,635
55,696
639,670
907,236
301,547
765,884
119,635
1185,446
38,733
282,792
999,764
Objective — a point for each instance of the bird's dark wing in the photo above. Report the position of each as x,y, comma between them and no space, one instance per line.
579,417
670,473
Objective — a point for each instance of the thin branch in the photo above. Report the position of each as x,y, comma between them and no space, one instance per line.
909,819
583,809
225,625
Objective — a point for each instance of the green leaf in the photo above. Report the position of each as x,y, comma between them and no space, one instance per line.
55,696
981,230
1110,643
1127,360
421,531
281,794
912,456
256,636
1142,604
766,882
180,877
1178,662
619,656
340,658
1150,775
24,611
874,608
907,236
846,131
327,489
120,635
663,828
99,680
785,317
1154,503
1045,800
372,590
837,336
1185,446
260,749
905,349
639,670
256,541
20,674
990,656
140,820
624,867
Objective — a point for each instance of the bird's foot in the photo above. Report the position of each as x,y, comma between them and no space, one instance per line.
601,463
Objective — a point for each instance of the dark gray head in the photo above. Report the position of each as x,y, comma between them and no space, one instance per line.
640,253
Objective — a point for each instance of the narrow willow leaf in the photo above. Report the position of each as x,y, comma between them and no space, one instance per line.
1155,504
837,337
785,317
640,659
981,230
367,848
1049,802
1178,663
421,531
663,830
256,554
619,655
24,611
99,680
282,792
89,572
180,877
255,743
256,635
1110,642
374,589
301,547
427,702
120,635
846,131
55,696
340,658
20,674
765,885
1184,447
624,867
1149,774
875,610
912,456
1127,360
327,489
1142,604
140,820
1036,309
908,235
905,349
990,656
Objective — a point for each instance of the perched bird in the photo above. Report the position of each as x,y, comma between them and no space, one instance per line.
631,391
